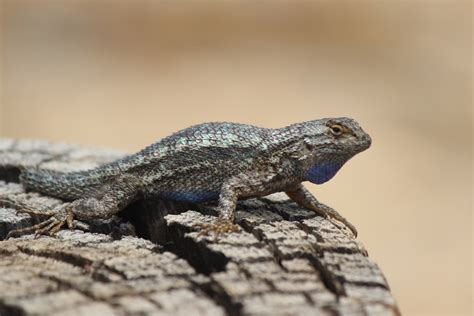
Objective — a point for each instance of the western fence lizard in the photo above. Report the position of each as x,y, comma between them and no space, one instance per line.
206,162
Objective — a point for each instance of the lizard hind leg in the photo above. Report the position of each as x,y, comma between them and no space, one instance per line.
112,198
49,226
69,213
55,220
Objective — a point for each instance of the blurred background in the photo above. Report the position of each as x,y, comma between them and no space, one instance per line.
123,74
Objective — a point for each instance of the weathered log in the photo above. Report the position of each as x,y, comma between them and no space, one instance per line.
151,260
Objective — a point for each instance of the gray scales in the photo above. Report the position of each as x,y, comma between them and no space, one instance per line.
206,162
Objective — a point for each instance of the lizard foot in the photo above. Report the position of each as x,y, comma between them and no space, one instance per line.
48,227
219,227
331,214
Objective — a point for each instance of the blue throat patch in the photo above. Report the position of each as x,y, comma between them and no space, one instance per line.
193,197
323,172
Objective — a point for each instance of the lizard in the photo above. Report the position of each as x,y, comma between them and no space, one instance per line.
217,161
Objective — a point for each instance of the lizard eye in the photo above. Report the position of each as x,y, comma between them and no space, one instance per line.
336,129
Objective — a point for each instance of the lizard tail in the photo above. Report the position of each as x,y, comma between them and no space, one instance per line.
66,186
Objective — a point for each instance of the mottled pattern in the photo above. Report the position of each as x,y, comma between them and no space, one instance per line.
224,161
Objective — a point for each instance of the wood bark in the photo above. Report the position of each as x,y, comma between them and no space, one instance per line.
150,260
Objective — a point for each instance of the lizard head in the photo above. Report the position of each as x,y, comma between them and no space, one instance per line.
326,144
344,136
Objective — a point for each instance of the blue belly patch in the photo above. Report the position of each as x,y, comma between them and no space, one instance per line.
323,172
193,197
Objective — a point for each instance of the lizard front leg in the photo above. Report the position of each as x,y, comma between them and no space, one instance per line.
107,201
226,209
259,182
303,197
253,183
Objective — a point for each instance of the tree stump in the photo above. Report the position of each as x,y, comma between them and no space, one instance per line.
150,259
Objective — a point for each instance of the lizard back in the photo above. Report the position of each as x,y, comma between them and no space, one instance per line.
195,147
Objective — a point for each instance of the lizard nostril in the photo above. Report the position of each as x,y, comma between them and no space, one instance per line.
368,139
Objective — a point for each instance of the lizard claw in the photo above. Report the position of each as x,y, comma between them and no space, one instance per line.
48,227
219,227
330,214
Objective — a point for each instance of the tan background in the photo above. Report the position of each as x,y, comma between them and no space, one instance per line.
123,74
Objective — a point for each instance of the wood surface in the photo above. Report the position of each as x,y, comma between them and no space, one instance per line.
151,260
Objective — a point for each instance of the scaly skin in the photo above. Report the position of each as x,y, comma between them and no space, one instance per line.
206,162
